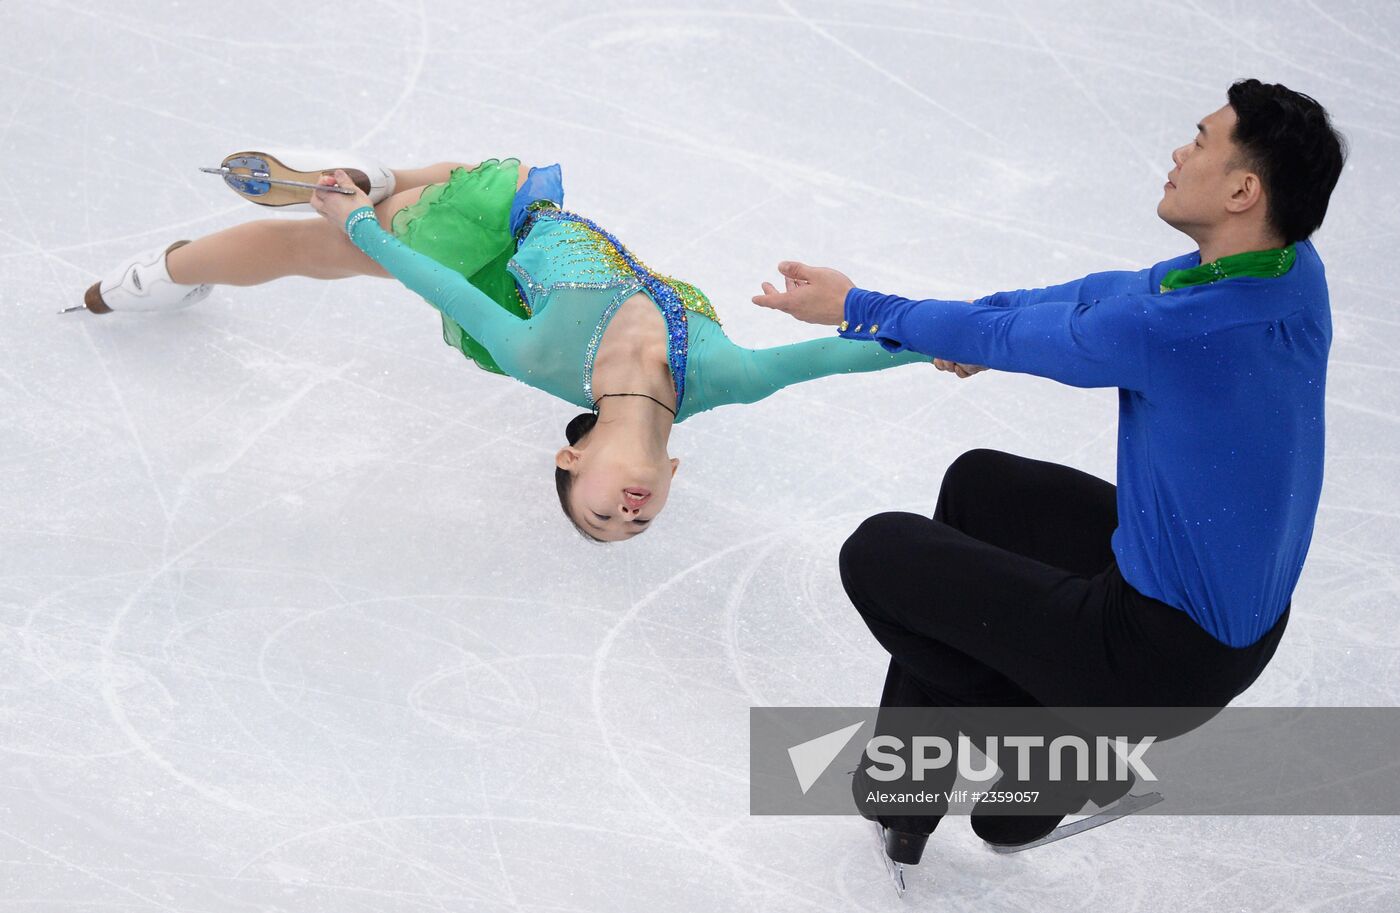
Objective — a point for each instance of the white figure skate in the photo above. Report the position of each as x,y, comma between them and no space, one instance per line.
142,283
285,178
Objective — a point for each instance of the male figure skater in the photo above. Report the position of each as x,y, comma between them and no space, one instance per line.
1036,584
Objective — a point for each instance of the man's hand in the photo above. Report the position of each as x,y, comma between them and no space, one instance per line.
813,294
818,295
961,370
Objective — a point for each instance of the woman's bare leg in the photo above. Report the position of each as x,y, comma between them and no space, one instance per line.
430,174
268,249
254,253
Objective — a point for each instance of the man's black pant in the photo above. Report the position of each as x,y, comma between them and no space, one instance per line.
1010,596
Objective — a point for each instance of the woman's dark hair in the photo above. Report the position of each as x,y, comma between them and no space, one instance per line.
1288,139
578,426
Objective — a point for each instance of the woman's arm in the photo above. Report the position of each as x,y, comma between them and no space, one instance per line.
446,290
732,374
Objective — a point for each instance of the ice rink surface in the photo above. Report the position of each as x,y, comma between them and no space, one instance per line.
289,617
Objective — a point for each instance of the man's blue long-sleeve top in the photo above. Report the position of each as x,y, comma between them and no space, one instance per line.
1220,415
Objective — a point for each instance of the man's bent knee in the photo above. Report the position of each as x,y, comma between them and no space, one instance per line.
971,473
974,464
866,552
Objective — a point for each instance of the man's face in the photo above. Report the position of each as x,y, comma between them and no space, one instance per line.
1205,176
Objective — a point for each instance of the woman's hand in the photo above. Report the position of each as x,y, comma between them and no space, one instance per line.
961,370
337,206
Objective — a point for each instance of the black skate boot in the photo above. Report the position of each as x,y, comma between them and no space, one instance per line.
1004,831
903,836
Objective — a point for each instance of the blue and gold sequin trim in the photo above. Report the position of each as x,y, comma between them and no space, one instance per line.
611,262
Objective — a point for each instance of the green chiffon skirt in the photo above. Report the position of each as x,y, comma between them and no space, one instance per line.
464,224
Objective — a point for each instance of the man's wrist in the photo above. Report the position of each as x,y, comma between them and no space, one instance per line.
857,322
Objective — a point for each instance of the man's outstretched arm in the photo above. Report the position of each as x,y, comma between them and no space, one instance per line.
1096,343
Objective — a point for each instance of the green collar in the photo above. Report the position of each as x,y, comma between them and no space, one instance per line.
1261,264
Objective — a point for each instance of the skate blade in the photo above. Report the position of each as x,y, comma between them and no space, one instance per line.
260,178
1128,805
894,869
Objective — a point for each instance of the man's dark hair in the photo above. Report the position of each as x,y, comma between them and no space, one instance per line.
1288,139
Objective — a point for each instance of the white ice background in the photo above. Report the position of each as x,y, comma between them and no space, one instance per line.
289,617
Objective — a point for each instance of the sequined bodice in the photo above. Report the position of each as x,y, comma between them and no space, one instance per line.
560,249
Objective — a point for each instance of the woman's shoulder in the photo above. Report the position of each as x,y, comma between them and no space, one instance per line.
561,254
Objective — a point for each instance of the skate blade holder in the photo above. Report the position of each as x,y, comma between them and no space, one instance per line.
252,182
257,181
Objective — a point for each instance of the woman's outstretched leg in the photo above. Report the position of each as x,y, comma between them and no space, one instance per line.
167,278
268,249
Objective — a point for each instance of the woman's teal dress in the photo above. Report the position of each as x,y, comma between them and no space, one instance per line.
465,224
536,309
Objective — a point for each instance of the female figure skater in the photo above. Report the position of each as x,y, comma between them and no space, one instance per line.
525,289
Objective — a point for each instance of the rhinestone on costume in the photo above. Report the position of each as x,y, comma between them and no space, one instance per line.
596,338
358,216
616,263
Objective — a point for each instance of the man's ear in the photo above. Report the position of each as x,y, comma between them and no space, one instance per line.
567,457
1249,192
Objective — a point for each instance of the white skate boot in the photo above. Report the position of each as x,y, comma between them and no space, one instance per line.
142,283
242,170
